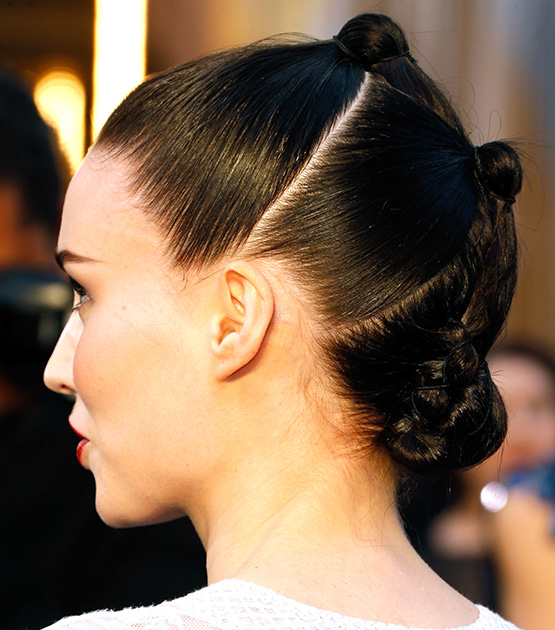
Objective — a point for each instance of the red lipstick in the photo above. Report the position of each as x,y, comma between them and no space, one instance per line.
79,451
81,445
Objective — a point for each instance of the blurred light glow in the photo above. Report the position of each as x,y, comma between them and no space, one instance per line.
119,54
61,100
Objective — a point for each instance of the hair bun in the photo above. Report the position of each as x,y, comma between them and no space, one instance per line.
499,170
446,430
453,417
372,38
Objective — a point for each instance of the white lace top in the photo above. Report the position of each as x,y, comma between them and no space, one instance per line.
240,605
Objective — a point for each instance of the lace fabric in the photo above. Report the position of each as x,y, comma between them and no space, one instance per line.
239,605
128,620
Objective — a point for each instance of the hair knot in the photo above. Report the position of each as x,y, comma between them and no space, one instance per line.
460,367
366,63
498,171
344,48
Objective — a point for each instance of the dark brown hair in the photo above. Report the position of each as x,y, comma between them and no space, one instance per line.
355,171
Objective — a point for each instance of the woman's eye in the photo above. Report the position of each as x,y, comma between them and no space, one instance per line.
80,293
82,298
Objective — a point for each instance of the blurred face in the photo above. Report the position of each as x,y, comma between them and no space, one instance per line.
23,244
528,390
133,353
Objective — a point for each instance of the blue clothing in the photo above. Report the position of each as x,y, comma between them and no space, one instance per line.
541,482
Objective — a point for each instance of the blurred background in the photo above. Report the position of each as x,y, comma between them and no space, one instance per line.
78,59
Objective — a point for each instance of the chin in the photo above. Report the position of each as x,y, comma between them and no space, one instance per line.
120,516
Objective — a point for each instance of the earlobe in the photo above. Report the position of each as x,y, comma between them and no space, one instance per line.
245,310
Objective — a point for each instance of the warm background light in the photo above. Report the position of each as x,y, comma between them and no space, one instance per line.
60,98
119,54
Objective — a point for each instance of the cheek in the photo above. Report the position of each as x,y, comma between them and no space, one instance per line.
108,360
92,362
134,363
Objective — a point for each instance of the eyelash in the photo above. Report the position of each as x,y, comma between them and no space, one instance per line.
80,291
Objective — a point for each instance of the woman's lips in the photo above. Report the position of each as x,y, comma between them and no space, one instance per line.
79,451
81,445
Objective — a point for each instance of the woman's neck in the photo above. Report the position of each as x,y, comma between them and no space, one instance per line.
329,536
323,513
335,553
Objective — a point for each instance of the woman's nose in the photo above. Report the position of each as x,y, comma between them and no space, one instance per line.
58,374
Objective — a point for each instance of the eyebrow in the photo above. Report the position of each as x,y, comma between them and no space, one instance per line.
65,256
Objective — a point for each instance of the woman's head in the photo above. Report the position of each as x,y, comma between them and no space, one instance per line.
345,167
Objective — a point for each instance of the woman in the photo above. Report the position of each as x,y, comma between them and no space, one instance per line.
290,263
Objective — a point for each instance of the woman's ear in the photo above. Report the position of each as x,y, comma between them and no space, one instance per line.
245,310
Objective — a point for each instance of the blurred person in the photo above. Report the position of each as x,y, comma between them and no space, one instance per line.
289,264
47,522
523,539
524,549
33,300
495,540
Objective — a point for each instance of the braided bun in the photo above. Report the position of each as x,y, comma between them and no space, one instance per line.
454,418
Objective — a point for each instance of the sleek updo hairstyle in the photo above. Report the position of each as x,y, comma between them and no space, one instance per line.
343,160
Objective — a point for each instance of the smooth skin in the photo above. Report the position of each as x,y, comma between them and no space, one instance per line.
201,392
